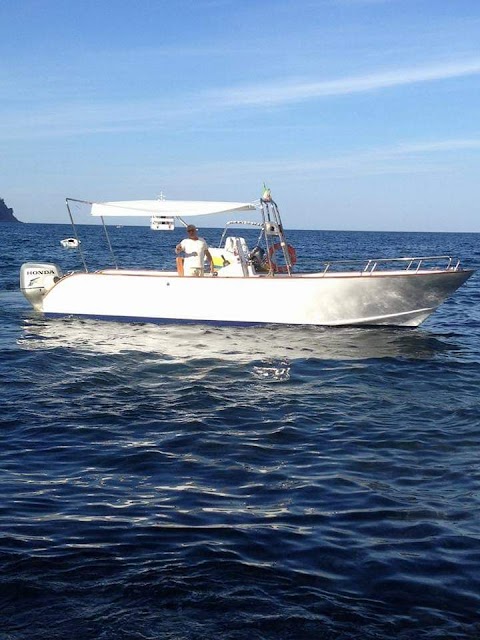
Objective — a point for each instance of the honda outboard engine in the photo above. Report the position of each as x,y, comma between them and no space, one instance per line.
36,280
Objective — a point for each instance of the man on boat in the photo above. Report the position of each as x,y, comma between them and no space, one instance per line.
195,251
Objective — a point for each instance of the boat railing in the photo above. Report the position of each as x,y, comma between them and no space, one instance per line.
410,264
244,223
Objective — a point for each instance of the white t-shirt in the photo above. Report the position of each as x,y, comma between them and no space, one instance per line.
194,253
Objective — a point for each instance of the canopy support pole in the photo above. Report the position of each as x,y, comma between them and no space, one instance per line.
109,243
76,234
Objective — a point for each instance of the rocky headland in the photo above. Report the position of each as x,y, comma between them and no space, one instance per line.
6,214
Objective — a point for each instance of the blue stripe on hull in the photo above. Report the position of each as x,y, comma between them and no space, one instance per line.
131,319
218,323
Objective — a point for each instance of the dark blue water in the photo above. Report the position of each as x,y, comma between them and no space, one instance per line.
164,482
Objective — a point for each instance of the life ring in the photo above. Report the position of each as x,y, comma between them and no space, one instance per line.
291,254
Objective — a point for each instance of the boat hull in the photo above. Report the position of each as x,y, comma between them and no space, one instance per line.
390,298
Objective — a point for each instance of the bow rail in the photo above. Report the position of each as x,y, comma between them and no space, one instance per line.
415,264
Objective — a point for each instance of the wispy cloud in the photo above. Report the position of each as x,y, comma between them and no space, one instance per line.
203,106
284,92
418,157
362,2
438,145
413,155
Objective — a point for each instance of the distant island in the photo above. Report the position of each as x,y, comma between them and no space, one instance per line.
6,214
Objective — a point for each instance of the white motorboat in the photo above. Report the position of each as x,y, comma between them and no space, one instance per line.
162,223
71,243
257,285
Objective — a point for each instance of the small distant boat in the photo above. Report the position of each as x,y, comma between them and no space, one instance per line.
162,223
70,242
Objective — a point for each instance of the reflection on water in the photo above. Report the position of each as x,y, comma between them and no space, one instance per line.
189,342
274,372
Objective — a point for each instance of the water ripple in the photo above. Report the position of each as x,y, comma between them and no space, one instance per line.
195,482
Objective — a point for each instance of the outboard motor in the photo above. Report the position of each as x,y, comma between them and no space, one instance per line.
36,280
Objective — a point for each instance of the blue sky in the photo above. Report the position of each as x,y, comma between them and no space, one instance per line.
359,114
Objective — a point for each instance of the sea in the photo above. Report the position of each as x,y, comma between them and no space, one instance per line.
192,482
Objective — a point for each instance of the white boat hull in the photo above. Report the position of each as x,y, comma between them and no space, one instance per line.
338,299
70,243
